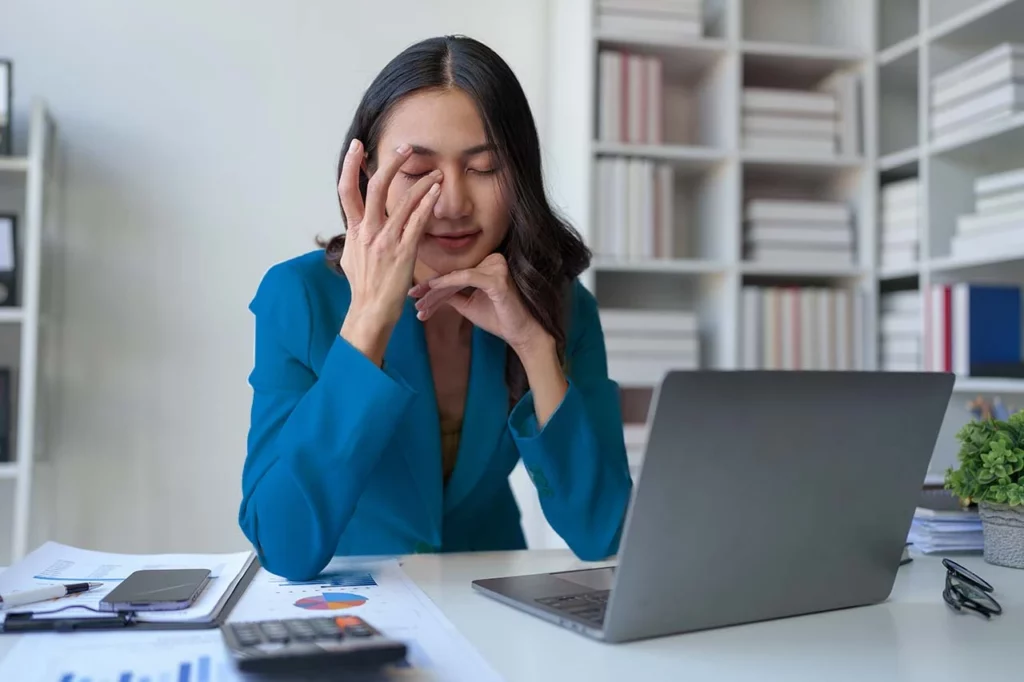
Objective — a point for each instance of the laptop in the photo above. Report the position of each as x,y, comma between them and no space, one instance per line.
763,495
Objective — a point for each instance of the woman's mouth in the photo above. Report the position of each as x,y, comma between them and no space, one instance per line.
455,242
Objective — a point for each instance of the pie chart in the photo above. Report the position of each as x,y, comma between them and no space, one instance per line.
331,601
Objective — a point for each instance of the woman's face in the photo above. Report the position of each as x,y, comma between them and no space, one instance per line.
471,216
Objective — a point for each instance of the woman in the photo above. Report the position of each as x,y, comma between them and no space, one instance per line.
402,370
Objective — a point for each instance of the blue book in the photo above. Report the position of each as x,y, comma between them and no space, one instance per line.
993,325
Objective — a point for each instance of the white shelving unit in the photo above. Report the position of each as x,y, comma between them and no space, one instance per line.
894,46
28,340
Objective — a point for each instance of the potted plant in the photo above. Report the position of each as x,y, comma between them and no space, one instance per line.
991,474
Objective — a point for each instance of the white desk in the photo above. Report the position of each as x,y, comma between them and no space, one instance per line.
913,636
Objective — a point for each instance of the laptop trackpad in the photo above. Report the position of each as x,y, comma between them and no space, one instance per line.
594,578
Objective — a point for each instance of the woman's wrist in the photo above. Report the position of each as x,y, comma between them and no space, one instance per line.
368,333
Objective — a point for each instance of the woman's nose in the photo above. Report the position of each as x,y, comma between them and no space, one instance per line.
454,202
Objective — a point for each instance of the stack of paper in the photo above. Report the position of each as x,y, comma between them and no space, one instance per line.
796,234
900,332
998,219
666,19
901,239
642,345
935,531
978,93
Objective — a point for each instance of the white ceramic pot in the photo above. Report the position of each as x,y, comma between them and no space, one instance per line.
1003,529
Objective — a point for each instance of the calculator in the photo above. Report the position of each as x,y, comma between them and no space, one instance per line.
309,645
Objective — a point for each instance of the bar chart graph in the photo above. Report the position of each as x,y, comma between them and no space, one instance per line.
201,669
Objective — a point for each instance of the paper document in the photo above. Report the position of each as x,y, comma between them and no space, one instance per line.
117,656
382,594
56,563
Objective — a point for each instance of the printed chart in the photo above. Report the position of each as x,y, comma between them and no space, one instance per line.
331,601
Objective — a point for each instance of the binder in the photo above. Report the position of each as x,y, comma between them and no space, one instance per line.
20,622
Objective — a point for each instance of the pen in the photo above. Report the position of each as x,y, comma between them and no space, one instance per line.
43,593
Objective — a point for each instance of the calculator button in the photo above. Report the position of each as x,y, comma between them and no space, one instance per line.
359,631
301,630
325,627
247,635
274,631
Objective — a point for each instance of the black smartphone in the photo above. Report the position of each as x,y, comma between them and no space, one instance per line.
167,589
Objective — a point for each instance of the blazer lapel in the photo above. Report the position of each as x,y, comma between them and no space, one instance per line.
484,416
407,354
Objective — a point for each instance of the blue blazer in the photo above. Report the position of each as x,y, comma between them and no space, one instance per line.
345,457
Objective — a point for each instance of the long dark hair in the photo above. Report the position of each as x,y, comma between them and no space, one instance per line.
543,251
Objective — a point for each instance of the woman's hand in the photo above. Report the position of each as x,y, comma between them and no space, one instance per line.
380,249
486,296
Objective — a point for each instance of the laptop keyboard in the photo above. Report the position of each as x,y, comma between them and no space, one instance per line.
589,606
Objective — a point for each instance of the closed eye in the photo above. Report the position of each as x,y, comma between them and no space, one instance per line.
414,176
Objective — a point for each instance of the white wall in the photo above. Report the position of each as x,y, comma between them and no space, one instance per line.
200,139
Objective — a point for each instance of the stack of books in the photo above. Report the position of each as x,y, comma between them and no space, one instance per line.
900,242
664,19
900,332
799,233
997,223
635,212
973,330
980,92
782,121
631,98
642,345
804,328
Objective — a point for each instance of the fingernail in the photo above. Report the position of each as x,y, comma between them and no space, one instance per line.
353,146
421,315
436,173
435,188
402,148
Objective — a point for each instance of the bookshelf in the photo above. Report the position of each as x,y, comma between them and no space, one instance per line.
29,340
894,49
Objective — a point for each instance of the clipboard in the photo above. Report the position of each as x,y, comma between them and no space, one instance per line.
20,622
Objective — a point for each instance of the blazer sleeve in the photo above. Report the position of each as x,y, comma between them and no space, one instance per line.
577,461
313,438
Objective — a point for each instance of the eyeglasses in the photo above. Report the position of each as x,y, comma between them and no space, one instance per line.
964,590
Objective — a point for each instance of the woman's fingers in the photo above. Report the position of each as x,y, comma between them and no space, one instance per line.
460,279
377,188
348,185
435,297
417,223
410,202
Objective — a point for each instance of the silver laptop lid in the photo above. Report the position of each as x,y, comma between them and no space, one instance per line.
768,494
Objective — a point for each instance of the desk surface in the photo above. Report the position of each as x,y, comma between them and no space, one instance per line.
912,636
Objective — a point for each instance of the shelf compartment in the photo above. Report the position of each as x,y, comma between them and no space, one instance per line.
898,23
707,297
971,22
827,24
898,104
686,204
682,98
